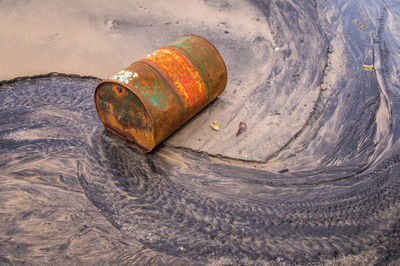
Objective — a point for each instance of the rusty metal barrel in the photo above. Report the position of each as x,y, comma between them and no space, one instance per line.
147,101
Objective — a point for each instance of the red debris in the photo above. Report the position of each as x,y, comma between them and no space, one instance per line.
242,128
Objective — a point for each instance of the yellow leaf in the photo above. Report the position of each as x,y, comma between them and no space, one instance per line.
369,67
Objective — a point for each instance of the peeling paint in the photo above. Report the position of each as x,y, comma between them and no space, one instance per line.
124,76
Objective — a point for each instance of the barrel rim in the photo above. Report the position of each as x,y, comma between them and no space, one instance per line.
111,128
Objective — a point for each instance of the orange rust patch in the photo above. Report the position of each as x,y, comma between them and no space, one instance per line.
184,77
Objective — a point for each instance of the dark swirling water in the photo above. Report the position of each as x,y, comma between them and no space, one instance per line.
70,192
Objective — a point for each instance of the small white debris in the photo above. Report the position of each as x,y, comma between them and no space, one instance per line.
214,125
277,49
135,75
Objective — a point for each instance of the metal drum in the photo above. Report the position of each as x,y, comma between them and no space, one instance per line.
147,101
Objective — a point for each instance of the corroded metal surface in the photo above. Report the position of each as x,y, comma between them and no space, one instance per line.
153,97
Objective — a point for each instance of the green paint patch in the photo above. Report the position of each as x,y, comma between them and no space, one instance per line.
122,107
184,43
154,94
